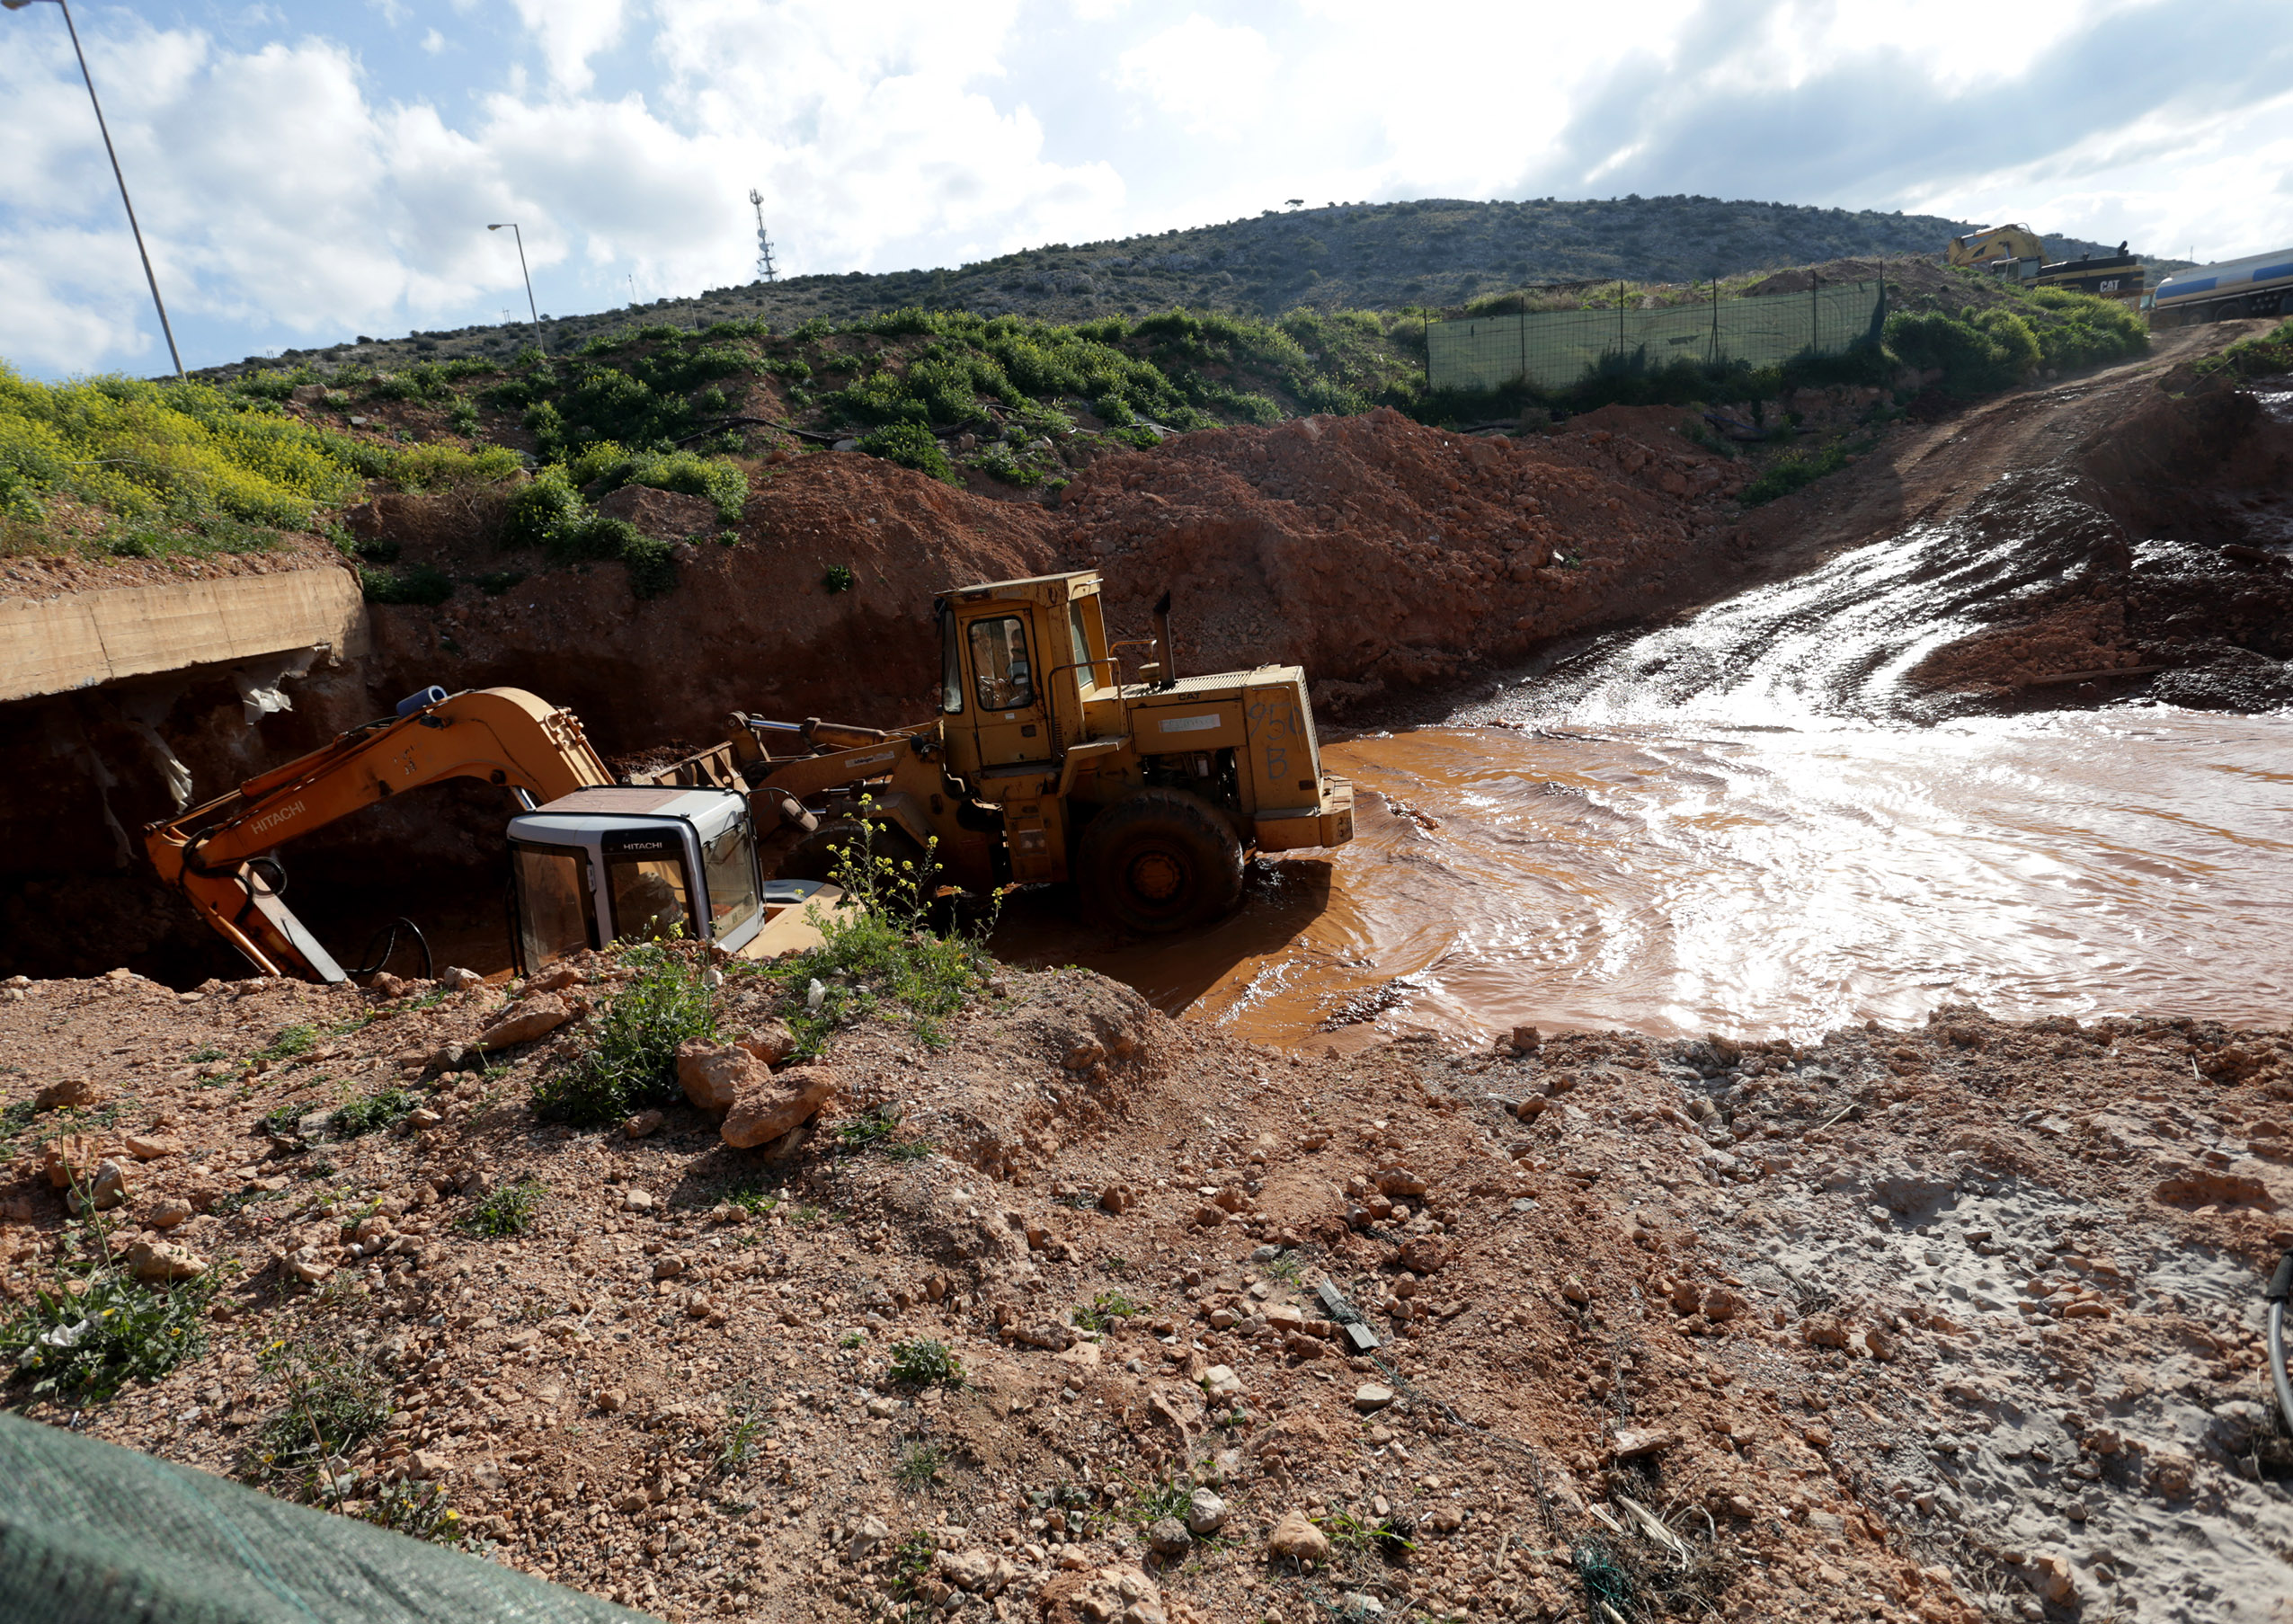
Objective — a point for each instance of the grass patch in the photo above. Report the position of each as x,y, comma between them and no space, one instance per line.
1107,1307
924,1362
507,1211
373,1113
879,1130
1788,473
291,1040
633,1062
919,1464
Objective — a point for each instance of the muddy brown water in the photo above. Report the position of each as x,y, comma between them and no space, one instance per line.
1742,824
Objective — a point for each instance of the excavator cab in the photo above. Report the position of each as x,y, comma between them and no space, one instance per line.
635,863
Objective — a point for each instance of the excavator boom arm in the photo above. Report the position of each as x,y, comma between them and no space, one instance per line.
506,736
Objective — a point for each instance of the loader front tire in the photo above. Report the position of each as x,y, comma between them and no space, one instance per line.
1160,860
822,854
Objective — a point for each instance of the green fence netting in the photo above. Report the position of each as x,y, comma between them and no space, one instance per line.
1552,350
92,1532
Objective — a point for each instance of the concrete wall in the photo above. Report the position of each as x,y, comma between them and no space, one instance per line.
79,640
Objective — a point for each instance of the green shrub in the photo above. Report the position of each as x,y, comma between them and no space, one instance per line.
911,446
632,1061
606,467
441,465
422,584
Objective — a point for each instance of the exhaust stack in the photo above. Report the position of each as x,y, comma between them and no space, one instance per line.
1164,647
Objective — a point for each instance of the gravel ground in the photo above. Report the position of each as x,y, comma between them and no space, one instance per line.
1944,1324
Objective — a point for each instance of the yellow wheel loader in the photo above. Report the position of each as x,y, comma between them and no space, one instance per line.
1046,765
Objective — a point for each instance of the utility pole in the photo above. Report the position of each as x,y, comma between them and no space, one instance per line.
765,271
532,309
109,152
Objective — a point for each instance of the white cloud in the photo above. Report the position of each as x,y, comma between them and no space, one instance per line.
569,32
300,192
1211,78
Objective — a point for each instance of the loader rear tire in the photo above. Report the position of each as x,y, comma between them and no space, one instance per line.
1160,860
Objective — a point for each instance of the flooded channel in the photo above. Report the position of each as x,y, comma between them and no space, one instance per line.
1707,827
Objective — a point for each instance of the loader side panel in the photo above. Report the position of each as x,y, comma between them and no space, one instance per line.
1283,775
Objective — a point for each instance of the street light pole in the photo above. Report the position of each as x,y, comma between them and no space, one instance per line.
532,309
17,5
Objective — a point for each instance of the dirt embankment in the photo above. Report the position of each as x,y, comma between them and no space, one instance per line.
2168,542
1932,1325
1381,555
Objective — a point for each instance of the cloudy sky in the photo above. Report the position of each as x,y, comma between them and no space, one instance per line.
306,171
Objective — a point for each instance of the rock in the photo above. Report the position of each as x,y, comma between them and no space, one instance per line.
1397,1181
2173,1476
107,1189
389,986
172,1211
553,981
637,1201
536,1018
1686,1297
152,1148
1633,1442
77,1091
2207,1186
68,1159
715,1075
663,515
771,1043
1082,1057
1047,1333
1442,1520
1424,1255
968,1570
2052,1576
1285,1317
1572,1290
1527,1040
611,1399
1220,1381
1720,1303
644,1124
1370,1398
1168,1537
163,1261
779,1105
668,1268
455,979
422,1116
306,1264
1114,1199
1297,1538
1823,1331
429,1465
868,1538
1879,1343
1206,1513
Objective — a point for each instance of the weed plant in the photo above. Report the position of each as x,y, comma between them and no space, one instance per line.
1107,1307
374,1111
924,1362
507,1211
333,1401
880,948
632,1063
83,1345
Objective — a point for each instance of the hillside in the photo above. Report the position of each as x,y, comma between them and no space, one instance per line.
1436,252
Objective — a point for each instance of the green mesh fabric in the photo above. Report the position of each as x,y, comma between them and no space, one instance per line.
1554,348
92,1532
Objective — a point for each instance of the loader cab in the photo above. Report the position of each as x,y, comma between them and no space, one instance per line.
1022,665
633,864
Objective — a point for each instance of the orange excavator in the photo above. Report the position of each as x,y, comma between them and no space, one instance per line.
598,860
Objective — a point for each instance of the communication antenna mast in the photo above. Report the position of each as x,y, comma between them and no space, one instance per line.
764,269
